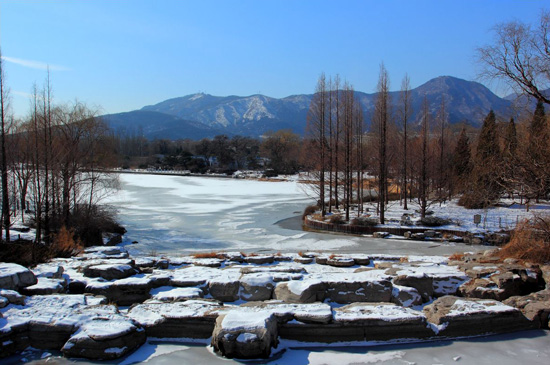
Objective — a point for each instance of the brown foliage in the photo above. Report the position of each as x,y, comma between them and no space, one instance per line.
336,219
209,255
64,244
457,256
530,241
309,211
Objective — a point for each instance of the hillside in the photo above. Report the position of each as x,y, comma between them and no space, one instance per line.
202,116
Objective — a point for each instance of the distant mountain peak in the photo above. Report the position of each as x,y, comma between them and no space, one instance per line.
253,115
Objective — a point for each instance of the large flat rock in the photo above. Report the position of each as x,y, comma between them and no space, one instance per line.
189,319
15,277
453,317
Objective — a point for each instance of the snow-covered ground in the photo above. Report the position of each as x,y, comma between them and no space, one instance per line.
175,214
494,219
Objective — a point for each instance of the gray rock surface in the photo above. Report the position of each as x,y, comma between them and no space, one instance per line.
15,277
240,335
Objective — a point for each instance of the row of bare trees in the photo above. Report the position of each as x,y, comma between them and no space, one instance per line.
334,143
425,163
50,163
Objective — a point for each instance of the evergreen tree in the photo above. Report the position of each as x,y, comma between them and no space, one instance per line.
537,163
462,157
487,145
510,140
538,136
486,184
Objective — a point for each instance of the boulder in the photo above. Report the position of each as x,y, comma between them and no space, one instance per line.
300,291
13,297
107,336
422,282
15,277
224,290
208,262
286,312
380,234
123,292
49,271
47,321
46,286
405,296
259,259
321,260
338,261
350,291
383,321
106,252
535,306
256,287
110,271
245,334
481,289
454,317
162,264
76,287
171,294
189,319
498,286
303,260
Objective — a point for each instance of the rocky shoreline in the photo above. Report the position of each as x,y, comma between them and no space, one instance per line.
105,304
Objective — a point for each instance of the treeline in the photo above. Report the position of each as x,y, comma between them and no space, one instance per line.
425,163
278,152
50,163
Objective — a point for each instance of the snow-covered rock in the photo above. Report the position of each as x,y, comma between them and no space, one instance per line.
189,319
171,294
453,317
107,335
46,286
15,277
226,289
256,286
405,296
301,291
110,271
245,334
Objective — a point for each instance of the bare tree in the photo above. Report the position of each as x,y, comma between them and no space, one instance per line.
423,181
4,164
405,112
336,129
316,126
520,56
381,120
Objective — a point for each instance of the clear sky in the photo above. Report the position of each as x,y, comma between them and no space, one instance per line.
122,55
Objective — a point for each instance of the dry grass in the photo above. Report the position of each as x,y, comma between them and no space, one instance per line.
404,260
64,244
336,219
209,255
530,241
457,256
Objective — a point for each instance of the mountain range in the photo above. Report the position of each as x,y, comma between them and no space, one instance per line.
204,116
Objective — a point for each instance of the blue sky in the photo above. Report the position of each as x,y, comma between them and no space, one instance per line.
121,55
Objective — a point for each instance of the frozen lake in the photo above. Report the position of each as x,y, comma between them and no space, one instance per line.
175,214
170,214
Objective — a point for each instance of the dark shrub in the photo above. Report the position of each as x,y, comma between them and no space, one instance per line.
309,211
364,222
434,221
336,219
